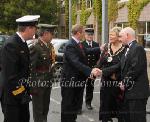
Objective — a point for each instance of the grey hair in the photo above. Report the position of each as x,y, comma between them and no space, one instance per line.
129,30
116,30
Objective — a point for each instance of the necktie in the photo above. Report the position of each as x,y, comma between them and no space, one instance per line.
90,44
81,47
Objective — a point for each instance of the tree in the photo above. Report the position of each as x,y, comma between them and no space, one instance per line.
67,17
14,9
112,11
98,14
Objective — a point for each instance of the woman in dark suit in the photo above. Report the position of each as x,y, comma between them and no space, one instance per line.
110,93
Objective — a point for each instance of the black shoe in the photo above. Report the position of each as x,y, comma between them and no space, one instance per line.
89,107
109,120
79,112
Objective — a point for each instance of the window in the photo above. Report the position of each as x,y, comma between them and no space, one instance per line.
122,1
144,33
147,35
62,8
122,25
89,26
63,32
148,27
79,5
89,3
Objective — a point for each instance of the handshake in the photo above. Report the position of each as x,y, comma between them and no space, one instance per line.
95,73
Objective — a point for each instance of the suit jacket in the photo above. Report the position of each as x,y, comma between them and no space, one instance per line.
92,58
0,86
15,68
134,72
75,63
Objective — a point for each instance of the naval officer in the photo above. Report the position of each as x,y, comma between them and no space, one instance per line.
15,69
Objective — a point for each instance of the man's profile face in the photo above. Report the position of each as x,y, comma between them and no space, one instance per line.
81,34
31,31
47,36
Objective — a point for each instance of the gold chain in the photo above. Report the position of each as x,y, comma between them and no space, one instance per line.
122,48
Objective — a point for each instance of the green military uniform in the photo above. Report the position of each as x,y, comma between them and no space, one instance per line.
42,58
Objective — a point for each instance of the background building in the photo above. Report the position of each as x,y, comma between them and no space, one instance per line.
124,12
81,10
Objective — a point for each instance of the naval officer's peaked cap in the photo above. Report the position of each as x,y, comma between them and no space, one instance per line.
28,20
89,31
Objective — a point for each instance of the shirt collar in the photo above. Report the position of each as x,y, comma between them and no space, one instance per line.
43,42
77,41
20,36
130,43
89,43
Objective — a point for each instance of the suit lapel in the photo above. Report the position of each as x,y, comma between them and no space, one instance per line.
127,57
86,44
22,45
77,47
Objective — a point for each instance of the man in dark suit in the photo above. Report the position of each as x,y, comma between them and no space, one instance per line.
134,78
15,71
75,72
42,58
91,60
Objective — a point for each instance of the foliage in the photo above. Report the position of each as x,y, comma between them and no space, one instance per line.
134,9
13,9
133,13
74,14
84,13
121,5
67,17
112,11
97,7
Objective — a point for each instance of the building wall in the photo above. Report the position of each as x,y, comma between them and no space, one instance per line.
143,28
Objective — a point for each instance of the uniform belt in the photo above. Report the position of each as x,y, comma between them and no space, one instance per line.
42,69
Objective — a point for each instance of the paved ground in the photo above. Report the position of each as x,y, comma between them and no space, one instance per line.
87,116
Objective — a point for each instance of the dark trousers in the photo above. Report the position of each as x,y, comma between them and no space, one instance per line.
79,97
41,102
89,91
72,99
16,113
135,110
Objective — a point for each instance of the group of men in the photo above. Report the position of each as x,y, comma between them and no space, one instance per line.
25,69
133,68
20,64
23,64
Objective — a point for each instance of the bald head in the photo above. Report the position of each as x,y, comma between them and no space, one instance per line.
127,35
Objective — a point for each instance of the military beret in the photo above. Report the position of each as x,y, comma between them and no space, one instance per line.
28,20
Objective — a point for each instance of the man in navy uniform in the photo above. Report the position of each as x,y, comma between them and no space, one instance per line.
15,71
91,60
42,57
